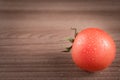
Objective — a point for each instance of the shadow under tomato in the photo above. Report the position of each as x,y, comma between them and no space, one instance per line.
63,66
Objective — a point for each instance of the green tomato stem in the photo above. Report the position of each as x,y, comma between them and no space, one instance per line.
68,49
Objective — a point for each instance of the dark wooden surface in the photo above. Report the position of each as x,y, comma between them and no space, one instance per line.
33,33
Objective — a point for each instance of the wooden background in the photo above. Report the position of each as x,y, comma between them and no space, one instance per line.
33,33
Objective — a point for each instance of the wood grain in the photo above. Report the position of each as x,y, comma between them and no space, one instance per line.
33,33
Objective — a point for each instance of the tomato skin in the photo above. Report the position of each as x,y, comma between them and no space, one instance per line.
93,50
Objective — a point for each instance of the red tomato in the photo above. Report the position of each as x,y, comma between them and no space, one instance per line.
93,49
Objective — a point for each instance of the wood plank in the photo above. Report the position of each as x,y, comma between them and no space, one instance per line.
33,33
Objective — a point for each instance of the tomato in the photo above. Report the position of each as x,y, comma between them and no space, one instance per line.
93,50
